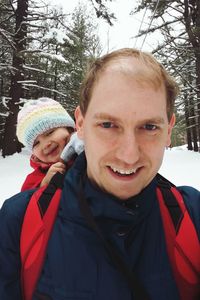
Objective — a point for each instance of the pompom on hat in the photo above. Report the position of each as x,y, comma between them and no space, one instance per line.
38,116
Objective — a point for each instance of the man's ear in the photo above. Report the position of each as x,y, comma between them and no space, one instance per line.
79,122
170,127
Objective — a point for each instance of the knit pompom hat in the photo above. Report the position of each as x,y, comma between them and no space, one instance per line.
38,116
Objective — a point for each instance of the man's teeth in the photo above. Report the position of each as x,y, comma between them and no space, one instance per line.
124,172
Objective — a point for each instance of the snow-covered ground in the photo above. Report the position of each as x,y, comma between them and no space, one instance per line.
180,166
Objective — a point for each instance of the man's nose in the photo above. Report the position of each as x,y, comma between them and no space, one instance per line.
128,149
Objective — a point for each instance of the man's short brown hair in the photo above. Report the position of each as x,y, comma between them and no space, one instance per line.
153,73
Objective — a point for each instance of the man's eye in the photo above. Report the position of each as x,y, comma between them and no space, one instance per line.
150,127
107,125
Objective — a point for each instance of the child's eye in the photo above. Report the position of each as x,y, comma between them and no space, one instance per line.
49,132
107,125
36,143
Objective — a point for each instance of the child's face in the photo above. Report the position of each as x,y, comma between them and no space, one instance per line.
48,146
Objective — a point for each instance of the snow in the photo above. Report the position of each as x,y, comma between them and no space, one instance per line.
57,34
14,169
57,57
180,166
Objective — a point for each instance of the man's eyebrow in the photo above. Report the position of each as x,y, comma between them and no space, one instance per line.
105,116
156,120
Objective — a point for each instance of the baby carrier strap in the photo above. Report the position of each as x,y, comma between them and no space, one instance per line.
37,225
181,239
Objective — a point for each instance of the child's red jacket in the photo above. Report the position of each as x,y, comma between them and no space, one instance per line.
34,179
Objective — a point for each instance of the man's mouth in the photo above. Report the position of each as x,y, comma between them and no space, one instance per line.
123,172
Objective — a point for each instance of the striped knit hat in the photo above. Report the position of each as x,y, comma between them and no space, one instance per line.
38,116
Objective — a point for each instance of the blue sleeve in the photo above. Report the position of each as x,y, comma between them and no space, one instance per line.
191,198
11,218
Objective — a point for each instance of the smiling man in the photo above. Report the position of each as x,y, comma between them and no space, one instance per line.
126,126
114,236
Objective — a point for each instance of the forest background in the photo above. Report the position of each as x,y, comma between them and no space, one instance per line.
45,51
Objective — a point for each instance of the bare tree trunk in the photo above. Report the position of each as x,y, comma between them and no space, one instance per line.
194,129
189,139
198,94
198,68
10,142
187,121
55,77
193,119
192,21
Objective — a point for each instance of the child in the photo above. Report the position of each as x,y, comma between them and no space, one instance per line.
45,128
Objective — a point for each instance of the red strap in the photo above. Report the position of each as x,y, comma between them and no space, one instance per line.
34,238
183,249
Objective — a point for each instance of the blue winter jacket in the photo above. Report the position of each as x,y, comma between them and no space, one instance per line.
76,265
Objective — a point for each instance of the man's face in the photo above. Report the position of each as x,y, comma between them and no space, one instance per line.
125,131
48,146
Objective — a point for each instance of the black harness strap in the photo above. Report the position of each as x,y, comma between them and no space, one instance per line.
45,198
170,200
133,282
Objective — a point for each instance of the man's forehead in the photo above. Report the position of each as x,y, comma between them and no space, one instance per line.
120,63
137,69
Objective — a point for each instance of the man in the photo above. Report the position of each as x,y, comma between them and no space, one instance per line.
109,221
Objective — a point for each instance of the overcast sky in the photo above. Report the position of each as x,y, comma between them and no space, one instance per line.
122,33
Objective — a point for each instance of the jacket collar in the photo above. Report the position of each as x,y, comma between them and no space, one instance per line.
101,203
